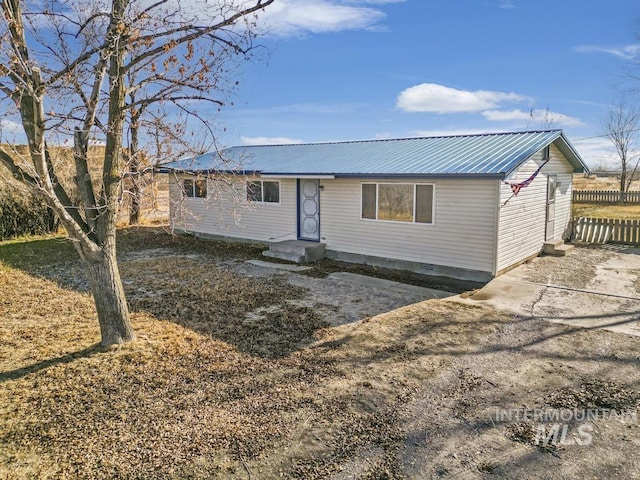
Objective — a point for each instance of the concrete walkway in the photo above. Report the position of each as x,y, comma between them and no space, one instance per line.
592,288
361,280
280,266
389,285
341,297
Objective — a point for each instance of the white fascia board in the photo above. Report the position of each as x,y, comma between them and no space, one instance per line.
330,177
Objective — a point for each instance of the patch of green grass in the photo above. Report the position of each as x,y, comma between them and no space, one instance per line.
33,252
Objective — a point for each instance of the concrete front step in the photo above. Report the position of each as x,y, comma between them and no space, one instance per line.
556,242
298,251
557,247
563,250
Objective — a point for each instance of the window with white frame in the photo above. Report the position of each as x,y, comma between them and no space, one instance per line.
263,191
546,152
398,202
194,188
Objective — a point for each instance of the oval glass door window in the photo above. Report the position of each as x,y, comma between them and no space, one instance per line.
310,207
310,189
310,226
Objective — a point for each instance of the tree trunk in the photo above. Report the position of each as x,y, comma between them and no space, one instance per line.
135,193
134,166
108,294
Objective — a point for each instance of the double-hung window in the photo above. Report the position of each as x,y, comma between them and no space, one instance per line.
398,202
194,188
263,191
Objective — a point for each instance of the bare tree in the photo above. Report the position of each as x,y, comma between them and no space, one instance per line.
621,128
65,71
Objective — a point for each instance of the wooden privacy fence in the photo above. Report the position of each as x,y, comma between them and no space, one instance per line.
605,196
606,230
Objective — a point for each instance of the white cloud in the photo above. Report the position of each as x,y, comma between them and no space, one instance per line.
383,135
435,98
506,5
10,127
503,116
12,132
297,17
281,18
627,52
546,116
431,97
268,140
597,152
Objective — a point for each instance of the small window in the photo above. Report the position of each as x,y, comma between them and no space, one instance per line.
369,200
254,191
424,203
263,191
552,186
194,188
271,192
398,202
200,188
546,152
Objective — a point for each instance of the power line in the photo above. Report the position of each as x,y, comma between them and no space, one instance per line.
587,138
601,136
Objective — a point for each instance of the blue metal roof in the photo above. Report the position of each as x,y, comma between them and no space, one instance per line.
495,155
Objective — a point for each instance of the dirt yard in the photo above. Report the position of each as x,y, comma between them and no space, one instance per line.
247,373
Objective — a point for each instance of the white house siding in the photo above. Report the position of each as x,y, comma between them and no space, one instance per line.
226,212
522,222
462,236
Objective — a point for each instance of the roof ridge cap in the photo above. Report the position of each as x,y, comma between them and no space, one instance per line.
397,139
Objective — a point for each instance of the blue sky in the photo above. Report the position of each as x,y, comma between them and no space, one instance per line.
351,69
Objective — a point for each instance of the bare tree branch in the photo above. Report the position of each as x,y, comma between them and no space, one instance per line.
82,71
200,31
62,195
621,128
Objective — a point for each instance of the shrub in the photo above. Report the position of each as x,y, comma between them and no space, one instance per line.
23,214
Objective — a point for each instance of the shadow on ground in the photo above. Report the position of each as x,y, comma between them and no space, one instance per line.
181,279
51,362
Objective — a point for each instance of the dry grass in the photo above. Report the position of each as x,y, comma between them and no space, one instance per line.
229,380
580,182
222,371
606,211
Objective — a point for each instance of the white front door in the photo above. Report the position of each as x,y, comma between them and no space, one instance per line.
309,209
